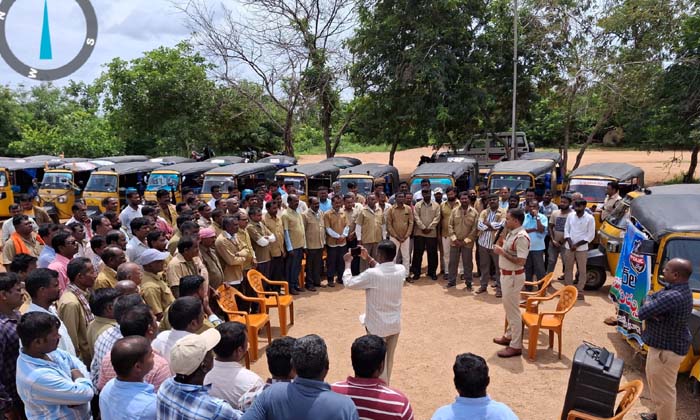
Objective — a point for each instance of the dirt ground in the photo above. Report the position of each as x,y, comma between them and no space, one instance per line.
439,324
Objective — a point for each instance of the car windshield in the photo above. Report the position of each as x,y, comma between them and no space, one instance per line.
223,181
163,181
516,183
102,183
687,249
57,180
364,185
593,190
442,183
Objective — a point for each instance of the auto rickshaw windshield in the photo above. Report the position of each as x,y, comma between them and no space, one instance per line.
102,183
442,183
162,181
593,190
364,185
57,180
223,181
516,183
688,249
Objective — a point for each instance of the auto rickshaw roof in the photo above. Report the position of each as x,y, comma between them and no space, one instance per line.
674,189
279,159
534,167
343,161
20,164
312,170
374,170
124,159
79,166
617,170
226,160
128,168
171,160
662,214
241,169
188,167
455,169
553,156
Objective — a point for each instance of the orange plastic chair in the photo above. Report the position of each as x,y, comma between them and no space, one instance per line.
273,299
547,320
632,392
542,286
254,322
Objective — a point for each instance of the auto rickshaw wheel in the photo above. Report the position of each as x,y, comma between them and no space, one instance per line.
595,278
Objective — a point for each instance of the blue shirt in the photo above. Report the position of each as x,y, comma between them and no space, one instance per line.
324,207
483,408
178,401
302,399
46,256
536,238
121,400
48,390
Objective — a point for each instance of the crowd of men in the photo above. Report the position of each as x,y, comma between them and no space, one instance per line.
115,313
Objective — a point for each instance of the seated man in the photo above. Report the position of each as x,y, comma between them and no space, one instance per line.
127,396
372,397
52,383
471,380
229,379
308,397
184,397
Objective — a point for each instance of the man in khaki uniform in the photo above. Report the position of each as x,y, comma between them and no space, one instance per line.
446,208
462,231
73,308
231,251
352,209
274,224
113,257
294,241
399,224
512,258
154,290
315,238
336,226
243,236
211,261
262,239
368,228
184,264
426,218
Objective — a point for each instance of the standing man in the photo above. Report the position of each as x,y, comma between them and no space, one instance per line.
315,235
352,210
211,261
11,406
166,209
424,186
325,204
666,313
140,226
368,228
38,215
504,193
462,231
131,211
427,217
336,223
446,208
557,222
294,241
231,252
512,259
612,199
579,231
535,225
262,239
215,195
383,285
491,220
399,224
23,241
272,220
73,307
184,263
80,216
154,289
547,207
66,248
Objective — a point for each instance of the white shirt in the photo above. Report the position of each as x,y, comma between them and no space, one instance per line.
64,343
212,203
383,286
579,229
165,341
230,381
134,248
127,215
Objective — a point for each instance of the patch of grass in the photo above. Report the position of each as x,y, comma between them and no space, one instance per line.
678,179
346,148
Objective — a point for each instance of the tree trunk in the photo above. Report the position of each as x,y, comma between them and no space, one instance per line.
567,126
392,152
326,113
489,124
288,137
688,177
602,120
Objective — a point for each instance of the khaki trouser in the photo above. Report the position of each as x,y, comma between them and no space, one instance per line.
581,258
511,286
662,372
403,250
391,342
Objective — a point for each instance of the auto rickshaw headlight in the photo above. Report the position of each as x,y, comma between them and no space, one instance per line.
62,199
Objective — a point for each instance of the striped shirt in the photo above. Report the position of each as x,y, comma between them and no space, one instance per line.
374,399
486,236
191,402
48,389
103,346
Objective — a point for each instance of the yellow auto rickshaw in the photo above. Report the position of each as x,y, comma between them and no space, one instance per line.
239,175
113,181
540,173
368,176
62,186
175,177
661,227
463,175
21,177
7,196
307,178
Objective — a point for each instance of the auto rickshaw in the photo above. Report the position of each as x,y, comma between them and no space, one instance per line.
226,160
343,161
542,174
113,160
612,231
592,180
661,227
463,175
62,186
281,161
239,175
7,197
20,176
309,177
368,176
175,177
113,181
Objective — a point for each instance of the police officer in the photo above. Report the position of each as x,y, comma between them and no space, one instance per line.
513,255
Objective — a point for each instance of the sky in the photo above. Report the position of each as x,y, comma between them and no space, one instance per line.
127,28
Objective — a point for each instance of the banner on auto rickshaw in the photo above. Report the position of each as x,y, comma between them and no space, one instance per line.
631,284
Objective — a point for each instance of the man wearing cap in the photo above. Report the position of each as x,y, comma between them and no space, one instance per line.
211,261
262,239
154,290
184,396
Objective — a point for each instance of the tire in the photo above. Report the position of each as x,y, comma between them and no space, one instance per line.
596,277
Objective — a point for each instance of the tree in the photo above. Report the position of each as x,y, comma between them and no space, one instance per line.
10,111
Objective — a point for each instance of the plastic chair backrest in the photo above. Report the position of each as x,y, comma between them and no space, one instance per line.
227,297
544,285
255,281
633,390
567,299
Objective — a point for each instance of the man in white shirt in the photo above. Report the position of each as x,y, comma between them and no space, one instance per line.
383,283
186,316
579,231
131,211
229,379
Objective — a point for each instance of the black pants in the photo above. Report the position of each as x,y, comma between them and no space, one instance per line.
335,262
314,261
277,269
422,244
293,267
546,251
264,268
355,265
